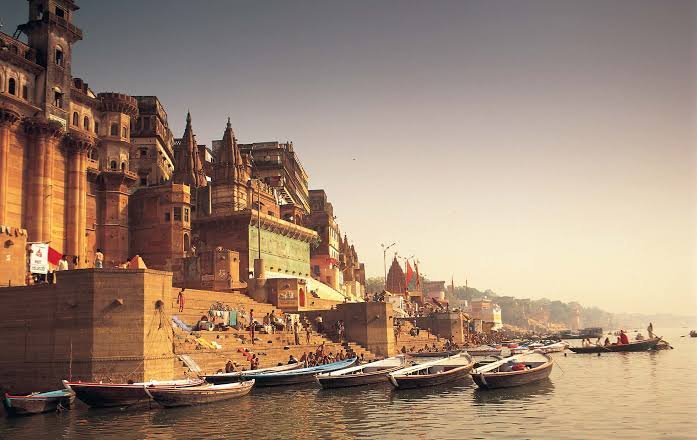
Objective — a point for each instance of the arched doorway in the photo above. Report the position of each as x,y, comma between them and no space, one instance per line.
301,298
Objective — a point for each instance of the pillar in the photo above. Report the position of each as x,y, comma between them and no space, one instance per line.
43,138
8,118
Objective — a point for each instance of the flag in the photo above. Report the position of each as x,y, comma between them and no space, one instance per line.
54,256
410,274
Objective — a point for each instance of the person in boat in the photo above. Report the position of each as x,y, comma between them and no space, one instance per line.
292,360
607,341
649,330
507,367
624,339
231,367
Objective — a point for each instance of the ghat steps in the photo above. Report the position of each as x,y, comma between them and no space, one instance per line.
271,349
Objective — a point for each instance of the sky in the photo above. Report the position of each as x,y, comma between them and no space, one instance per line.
534,148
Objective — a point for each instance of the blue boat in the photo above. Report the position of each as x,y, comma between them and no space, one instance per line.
38,403
292,377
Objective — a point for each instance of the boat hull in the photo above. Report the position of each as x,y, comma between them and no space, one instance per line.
29,405
436,354
303,376
430,380
646,345
174,397
512,378
221,379
356,380
114,395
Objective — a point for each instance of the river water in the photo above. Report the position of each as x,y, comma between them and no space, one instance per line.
615,395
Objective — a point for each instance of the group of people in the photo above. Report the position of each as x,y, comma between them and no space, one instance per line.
319,357
622,338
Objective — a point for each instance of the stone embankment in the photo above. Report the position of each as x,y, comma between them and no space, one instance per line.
271,349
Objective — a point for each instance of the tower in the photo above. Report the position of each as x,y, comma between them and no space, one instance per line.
188,169
51,34
230,176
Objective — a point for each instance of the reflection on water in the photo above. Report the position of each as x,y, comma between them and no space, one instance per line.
525,393
618,395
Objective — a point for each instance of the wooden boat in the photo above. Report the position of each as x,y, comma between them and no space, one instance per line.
431,373
436,354
293,377
366,374
104,395
497,374
222,378
37,403
645,345
207,393
483,350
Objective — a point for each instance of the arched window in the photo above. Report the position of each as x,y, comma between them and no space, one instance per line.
96,127
57,98
76,119
59,56
123,166
124,132
86,123
187,243
114,129
112,165
12,86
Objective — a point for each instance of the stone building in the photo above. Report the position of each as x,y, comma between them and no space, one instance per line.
396,281
279,167
152,154
64,150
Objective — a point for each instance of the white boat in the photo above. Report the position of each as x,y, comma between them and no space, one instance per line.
534,366
431,373
483,350
371,373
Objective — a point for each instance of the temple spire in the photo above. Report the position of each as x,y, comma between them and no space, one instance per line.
188,168
228,166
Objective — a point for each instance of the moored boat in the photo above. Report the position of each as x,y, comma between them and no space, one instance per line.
222,378
483,350
104,395
198,395
37,403
534,366
436,354
434,372
293,377
645,345
366,374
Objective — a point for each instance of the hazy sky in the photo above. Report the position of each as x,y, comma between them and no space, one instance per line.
536,148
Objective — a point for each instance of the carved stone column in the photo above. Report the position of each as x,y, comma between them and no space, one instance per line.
76,212
8,118
44,136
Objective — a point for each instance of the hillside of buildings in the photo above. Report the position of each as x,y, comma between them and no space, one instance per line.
552,314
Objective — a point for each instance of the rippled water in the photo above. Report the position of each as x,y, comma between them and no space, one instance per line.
618,395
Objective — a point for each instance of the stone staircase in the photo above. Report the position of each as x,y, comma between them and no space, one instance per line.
271,349
424,338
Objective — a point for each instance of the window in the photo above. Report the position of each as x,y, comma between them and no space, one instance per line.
112,165
86,123
143,152
167,216
123,166
124,132
177,214
57,99
12,86
187,243
186,214
96,127
25,92
144,181
146,123
60,59
114,129
60,12
76,119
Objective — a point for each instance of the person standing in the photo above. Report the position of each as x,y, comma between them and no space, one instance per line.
308,332
180,300
99,259
251,323
295,332
63,263
650,330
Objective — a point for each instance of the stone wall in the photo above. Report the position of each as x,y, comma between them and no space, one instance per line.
444,325
368,324
98,325
13,256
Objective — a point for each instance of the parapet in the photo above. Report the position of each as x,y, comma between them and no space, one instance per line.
119,102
